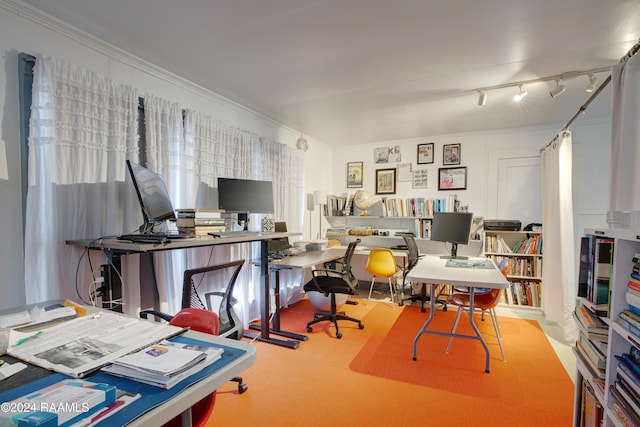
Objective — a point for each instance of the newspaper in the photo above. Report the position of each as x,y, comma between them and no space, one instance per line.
82,345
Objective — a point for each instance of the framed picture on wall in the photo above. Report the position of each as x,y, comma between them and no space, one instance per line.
386,181
425,153
451,154
354,175
420,178
452,178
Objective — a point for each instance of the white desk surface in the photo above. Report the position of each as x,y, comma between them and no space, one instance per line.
308,259
432,269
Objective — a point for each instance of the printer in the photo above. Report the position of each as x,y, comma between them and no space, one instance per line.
502,224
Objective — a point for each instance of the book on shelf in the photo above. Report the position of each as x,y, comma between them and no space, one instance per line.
595,372
591,408
627,393
164,364
583,269
623,409
594,353
61,404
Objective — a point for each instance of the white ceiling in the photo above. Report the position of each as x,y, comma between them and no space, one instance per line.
360,71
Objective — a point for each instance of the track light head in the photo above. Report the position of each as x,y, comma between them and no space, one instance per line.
520,95
593,81
482,98
558,90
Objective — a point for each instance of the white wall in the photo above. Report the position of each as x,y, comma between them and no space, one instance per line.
479,152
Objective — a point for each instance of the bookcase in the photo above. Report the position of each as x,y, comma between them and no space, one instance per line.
518,254
607,386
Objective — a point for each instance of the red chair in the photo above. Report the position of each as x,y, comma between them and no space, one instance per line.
206,322
486,301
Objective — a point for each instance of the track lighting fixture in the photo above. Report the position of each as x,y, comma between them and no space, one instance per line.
520,95
593,81
558,90
482,98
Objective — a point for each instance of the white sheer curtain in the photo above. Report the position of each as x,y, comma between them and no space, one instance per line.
558,277
212,150
624,190
83,127
164,138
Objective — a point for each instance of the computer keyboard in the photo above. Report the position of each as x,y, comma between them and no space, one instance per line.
155,237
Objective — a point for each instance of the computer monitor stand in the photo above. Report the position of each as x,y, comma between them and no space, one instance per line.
454,253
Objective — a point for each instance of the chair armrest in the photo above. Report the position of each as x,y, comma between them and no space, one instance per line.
161,315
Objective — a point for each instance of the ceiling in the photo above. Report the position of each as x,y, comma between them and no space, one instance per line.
361,71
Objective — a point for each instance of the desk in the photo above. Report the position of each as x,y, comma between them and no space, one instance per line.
302,261
115,248
433,270
184,399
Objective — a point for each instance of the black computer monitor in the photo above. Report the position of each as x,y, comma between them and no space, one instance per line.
153,196
452,227
245,195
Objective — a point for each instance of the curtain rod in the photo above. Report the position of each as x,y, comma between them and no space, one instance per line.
633,51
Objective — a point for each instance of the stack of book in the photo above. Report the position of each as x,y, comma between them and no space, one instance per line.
165,364
200,221
625,391
591,324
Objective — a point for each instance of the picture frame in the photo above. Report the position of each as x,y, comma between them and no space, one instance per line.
403,172
354,174
452,178
420,178
387,154
451,154
425,153
386,181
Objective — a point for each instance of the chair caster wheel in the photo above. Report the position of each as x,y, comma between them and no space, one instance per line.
339,335
400,304
360,326
309,329
242,388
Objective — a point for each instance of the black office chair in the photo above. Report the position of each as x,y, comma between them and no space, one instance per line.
331,282
413,256
220,303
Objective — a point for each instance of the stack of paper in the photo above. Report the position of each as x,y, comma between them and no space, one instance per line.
165,364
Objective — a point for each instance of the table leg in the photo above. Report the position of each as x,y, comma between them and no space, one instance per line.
432,306
264,326
477,331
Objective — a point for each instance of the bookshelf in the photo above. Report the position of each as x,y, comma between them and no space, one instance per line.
518,254
607,260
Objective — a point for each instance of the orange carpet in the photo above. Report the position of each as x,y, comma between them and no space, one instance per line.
368,377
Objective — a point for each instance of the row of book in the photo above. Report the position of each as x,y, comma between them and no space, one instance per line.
527,293
530,245
625,390
525,267
418,206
